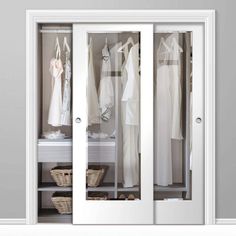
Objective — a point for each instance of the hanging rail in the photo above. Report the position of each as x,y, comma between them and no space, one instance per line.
56,29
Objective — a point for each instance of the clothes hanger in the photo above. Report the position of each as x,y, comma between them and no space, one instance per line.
66,45
58,48
174,42
105,51
66,48
129,41
164,44
106,46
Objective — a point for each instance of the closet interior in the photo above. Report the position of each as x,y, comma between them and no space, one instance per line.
113,130
54,122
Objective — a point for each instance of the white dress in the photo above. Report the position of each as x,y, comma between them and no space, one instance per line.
130,118
106,92
92,96
163,158
167,110
55,108
66,103
116,57
176,91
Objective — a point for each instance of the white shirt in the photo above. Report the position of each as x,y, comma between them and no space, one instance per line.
131,91
106,92
92,97
55,109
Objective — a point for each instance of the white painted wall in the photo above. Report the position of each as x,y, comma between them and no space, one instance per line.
12,93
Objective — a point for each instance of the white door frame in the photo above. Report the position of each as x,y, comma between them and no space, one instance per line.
35,17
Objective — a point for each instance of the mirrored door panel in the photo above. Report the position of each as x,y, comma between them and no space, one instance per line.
111,156
113,102
173,112
178,124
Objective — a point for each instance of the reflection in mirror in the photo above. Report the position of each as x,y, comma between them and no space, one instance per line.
113,166
172,116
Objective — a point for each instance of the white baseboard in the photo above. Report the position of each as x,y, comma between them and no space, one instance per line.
21,221
13,221
226,221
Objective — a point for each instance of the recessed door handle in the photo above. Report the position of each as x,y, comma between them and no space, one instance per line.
198,120
78,120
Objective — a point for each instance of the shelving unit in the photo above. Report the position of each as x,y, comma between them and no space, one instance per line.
60,151
52,152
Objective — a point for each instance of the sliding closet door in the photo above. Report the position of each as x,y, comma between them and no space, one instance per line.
179,124
112,124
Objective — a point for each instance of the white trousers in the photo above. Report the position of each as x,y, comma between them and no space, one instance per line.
130,152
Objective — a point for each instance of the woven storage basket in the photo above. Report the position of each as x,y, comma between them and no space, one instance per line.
95,175
62,202
97,196
62,175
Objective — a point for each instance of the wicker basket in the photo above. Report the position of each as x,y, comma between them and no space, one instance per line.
62,202
97,196
95,175
62,175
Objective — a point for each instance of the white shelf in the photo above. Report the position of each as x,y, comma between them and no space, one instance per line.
68,142
61,150
177,187
52,187
131,189
105,187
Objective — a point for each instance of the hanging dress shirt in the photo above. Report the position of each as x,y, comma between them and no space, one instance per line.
92,96
116,57
56,70
106,92
130,118
66,103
